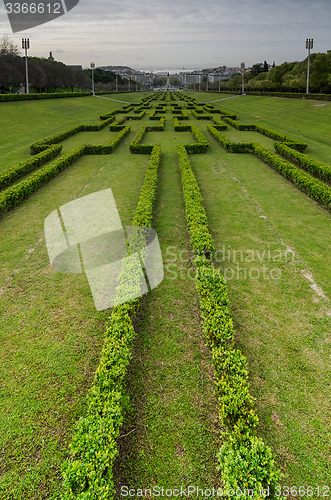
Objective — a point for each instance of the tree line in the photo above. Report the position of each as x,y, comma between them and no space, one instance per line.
287,77
47,75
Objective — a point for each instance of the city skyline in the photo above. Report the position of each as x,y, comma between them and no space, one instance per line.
155,36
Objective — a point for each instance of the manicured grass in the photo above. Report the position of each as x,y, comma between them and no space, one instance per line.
172,434
307,121
282,324
22,123
52,334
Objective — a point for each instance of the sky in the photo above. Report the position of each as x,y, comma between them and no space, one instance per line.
176,34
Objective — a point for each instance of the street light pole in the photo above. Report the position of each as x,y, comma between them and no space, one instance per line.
116,83
242,78
309,46
26,46
92,68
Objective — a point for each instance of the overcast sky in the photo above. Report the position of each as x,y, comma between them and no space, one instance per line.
171,34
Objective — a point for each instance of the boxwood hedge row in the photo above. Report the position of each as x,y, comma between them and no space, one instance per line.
14,195
245,461
88,473
34,96
312,187
314,167
14,173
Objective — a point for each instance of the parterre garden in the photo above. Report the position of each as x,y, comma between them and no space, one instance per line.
220,376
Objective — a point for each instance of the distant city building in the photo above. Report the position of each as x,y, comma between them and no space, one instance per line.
192,78
50,57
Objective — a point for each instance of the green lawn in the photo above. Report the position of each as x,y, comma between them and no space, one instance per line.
51,335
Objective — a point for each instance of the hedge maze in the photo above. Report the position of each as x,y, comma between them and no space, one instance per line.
245,460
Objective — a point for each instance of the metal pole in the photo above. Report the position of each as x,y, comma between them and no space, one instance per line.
309,46
116,83
26,46
129,84
242,78
219,83
207,84
92,65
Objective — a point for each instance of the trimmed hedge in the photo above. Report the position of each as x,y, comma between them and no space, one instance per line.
237,125
91,149
179,127
294,143
218,124
39,146
201,146
195,213
135,145
245,461
233,147
34,97
14,173
14,195
200,116
138,116
314,188
314,167
88,472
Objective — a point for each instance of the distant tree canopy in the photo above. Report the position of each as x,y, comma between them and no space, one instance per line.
47,75
104,76
288,77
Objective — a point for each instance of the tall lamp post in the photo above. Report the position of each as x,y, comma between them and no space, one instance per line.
309,46
92,68
26,46
242,65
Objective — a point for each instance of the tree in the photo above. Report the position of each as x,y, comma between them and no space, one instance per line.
256,69
265,67
7,47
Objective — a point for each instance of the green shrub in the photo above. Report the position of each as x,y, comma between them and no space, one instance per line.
195,213
311,186
246,463
39,146
201,146
314,167
34,96
135,145
14,195
14,173
233,147
88,473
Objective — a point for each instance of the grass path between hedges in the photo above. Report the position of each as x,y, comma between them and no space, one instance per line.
282,324
172,435
50,333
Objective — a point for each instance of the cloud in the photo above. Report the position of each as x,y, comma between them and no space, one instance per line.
190,33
